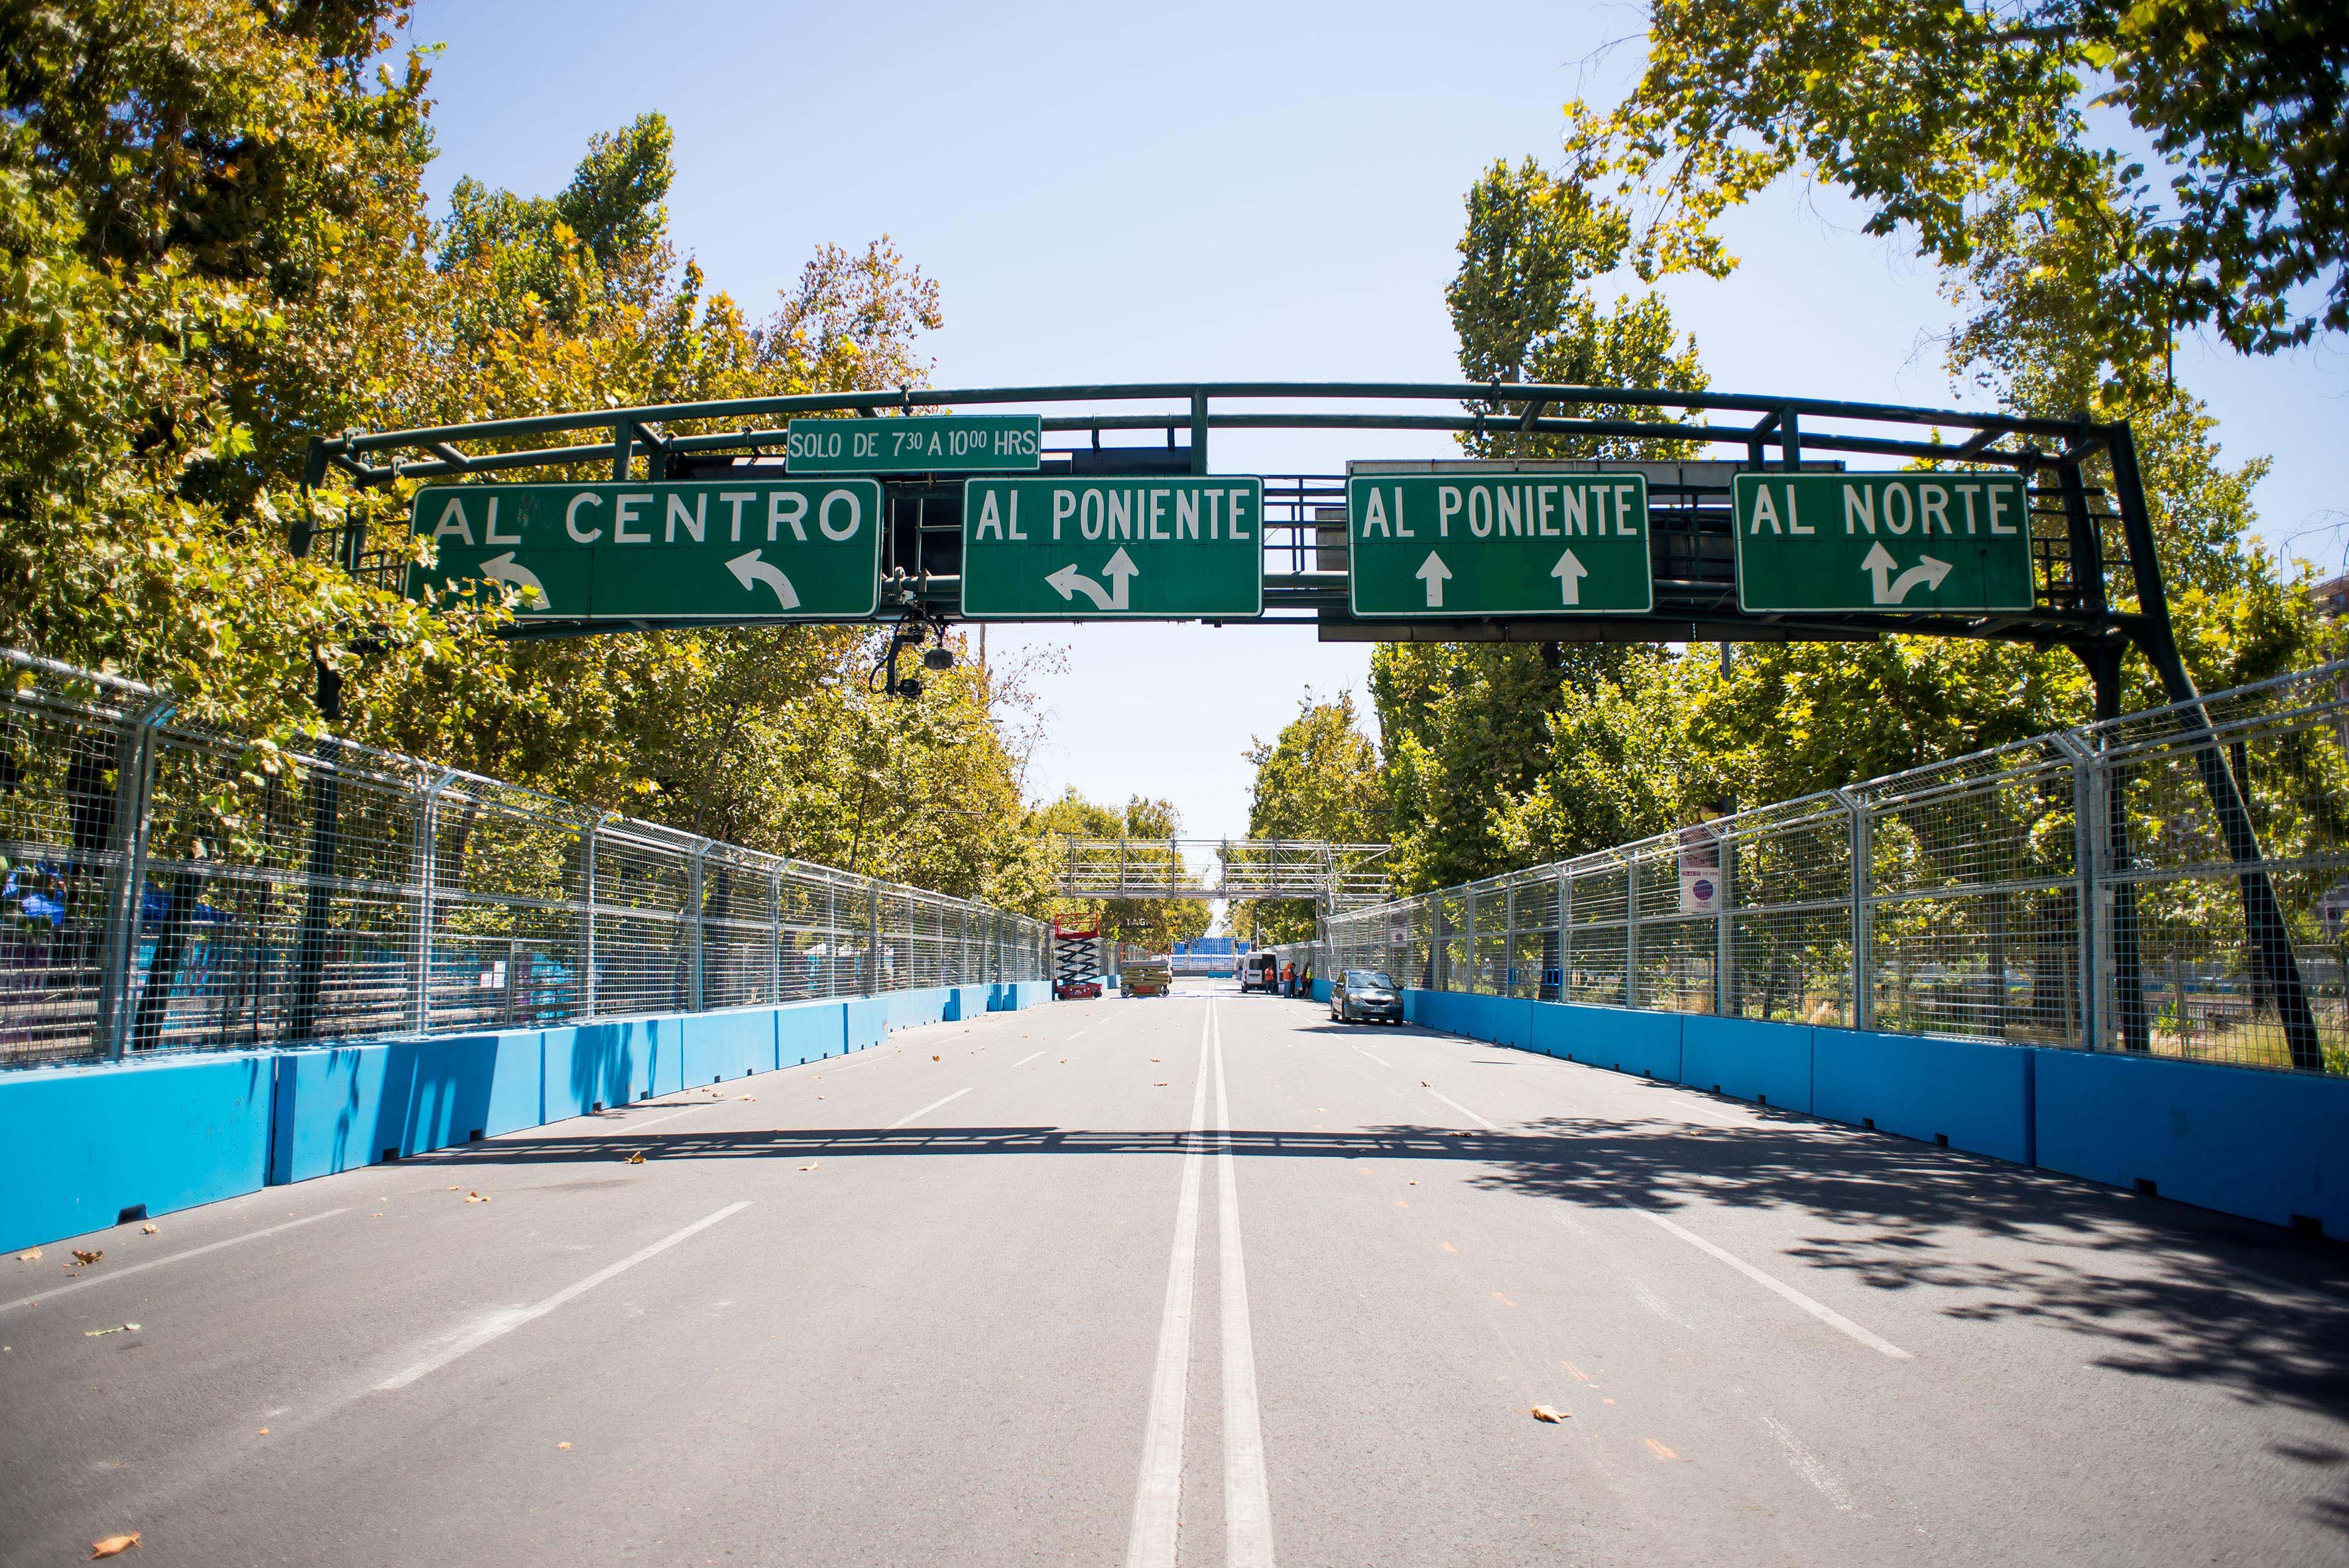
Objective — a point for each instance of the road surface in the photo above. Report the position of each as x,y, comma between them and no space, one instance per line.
1201,1280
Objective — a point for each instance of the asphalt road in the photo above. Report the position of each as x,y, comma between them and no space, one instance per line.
1201,1280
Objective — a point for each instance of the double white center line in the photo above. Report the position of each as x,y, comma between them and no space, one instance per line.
1158,1492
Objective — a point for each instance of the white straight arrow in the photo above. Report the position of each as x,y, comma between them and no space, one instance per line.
1119,570
1434,573
1890,590
1569,574
503,569
748,569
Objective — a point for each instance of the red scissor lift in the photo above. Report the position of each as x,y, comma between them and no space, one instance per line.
1076,962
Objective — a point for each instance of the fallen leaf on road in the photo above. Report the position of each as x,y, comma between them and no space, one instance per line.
32,1257
118,1329
1158,1085
112,1545
151,1229
1425,1084
86,1259
811,1167
1544,1413
475,1198
456,1189
752,1096
637,1158
934,1059
562,1445
1154,1058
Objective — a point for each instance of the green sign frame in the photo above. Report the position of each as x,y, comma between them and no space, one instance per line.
919,444
1513,545
1144,549
722,551
1866,543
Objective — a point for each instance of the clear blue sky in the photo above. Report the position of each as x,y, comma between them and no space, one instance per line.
1111,192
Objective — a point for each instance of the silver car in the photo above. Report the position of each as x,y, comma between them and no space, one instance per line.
1365,995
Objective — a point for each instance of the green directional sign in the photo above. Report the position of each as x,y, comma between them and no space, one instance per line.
728,551
1139,549
922,444
1512,544
1887,542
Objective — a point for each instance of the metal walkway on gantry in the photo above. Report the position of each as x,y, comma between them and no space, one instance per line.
1336,876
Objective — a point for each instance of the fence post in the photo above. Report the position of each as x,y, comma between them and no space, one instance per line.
325,792
775,932
1468,943
1724,947
694,983
2087,860
126,892
1631,929
428,880
1565,934
588,915
872,938
1863,920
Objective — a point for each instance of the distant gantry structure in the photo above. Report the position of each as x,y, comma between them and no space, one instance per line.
1336,877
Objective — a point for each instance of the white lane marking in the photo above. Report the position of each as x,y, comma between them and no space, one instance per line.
1487,1126
1375,1055
1823,1313
1030,1057
1806,1465
1158,1487
628,1128
917,1115
503,1323
112,1274
1247,1497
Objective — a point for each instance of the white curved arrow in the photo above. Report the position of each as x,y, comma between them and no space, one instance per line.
1570,572
1434,573
1891,590
749,570
1120,571
504,570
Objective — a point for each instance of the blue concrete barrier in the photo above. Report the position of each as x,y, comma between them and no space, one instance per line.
1968,1094
85,1144
1748,1060
1624,1038
2269,1145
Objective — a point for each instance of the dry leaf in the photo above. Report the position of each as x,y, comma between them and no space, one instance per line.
118,1329
475,1198
811,1167
86,1259
32,1257
1158,1085
1424,1084
113,1546
562,1445
752,1096
151,1229
456,1189
1544,1413
934,1059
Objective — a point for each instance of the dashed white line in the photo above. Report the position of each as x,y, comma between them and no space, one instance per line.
1158,1489
112,1274
917,1115
625,1129
1487,1126
1819,1310
1247,1497
1030,1057
500,1324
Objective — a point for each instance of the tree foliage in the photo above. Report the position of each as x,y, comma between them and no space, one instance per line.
1318,779
1974,129
1153,924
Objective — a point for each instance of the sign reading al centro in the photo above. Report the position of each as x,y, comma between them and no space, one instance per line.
769,549
1164,549
1522,544
1883,542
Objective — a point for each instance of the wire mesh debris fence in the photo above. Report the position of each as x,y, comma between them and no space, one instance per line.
2083,889
165,887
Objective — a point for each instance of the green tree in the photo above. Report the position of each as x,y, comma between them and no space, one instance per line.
1317,780
1150,922
1934,116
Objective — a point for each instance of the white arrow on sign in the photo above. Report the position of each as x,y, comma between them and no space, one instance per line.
503,569
1120,571
1891,590
1569,574
1434,573
749,570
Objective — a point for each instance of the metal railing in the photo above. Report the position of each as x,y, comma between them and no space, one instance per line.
1337,876
2081,889
167,887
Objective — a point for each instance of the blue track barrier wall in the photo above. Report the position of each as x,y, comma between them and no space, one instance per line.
2267,1145
2259,1143
83,1144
